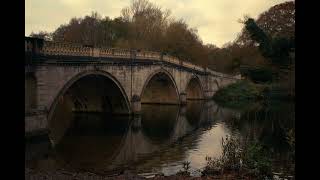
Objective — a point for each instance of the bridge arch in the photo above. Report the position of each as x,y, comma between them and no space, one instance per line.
160,88
87,91
194,88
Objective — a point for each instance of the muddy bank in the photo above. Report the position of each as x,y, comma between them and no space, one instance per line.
65,175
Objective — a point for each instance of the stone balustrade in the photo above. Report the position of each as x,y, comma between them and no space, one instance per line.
238,76
66,49
73,49
105,52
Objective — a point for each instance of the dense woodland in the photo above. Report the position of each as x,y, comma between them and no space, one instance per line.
265,46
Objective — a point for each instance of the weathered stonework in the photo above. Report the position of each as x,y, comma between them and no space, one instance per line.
183,98
36,124
136,104
56,67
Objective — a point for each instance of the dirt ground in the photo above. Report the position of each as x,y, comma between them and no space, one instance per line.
64,175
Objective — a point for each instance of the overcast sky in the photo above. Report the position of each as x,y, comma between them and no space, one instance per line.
216,20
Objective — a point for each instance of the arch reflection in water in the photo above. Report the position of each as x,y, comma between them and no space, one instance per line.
157,127
89,93
158,121
161,136
193,111
92,141
160,126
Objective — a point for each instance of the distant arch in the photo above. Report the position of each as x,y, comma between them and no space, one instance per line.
194,88
160,87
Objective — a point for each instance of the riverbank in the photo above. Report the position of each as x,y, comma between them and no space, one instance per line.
245,93
269,98
65,175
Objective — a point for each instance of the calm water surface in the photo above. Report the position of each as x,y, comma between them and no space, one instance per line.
161,138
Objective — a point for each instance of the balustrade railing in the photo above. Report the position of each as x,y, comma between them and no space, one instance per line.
72,49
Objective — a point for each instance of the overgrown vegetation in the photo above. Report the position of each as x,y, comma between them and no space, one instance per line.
245,93
229,160
239,94
185,169
267,147
249,159
278,49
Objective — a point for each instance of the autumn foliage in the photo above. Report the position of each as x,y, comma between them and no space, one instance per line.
144,25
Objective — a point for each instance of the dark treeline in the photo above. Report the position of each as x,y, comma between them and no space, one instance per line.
276,43
146,26
142,25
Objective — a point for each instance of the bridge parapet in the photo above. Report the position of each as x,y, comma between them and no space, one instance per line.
59,48
73,49
192,66
218,74
147,55
122,53
172,59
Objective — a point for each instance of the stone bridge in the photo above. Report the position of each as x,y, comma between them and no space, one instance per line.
61,78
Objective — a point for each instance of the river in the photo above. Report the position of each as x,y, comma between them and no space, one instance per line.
161,138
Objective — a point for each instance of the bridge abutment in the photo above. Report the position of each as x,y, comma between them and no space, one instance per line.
208,94
183,98
36,124
136,123
136,104
183,110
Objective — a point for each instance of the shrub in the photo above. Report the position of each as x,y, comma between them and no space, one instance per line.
186,169
239,93
237,156
256,159
229,160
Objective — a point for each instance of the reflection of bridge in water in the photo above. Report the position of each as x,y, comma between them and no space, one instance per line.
157,128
